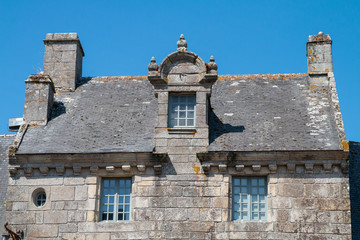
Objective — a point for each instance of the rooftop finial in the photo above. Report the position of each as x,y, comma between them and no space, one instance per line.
182,44
153,65
320,33
212,66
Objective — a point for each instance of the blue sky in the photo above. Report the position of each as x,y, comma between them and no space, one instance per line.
120,37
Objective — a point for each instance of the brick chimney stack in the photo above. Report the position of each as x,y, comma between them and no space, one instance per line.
318,52
39,96
63,59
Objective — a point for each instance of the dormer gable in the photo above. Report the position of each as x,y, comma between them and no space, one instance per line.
182,85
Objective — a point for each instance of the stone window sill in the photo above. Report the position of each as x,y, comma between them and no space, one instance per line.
181,130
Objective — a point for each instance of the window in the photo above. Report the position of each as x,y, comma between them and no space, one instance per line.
40,199
115,199
249,199
182,111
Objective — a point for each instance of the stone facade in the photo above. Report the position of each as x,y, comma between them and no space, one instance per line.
5,142
183,178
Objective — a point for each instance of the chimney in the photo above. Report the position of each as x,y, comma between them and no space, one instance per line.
318,52
39,96
63,59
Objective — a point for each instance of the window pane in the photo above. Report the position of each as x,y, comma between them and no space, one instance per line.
182,111
244,181
236,215
261,182
117,192
182,122
190,114
127,208
254,182
236,181
182,114
251,192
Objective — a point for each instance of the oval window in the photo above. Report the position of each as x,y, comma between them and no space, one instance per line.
40,199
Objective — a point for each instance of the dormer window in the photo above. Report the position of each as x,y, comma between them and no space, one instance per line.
182,111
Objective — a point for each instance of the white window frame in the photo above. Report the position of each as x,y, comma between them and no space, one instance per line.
178,111
116,196
250,194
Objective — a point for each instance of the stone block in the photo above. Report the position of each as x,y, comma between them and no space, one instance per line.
18,194
76,216
87,205
333,204
282,215
27,217
176,214
92,191
62,193
42,231
304,203
291,190
55,217
220,202
91,180
210,214
98,236
74,181
202,202
286,227
72,236
68,228
19,206
251,227
280,202
81,193
191,192
326,190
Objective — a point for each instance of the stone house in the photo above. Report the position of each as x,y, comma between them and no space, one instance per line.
183,153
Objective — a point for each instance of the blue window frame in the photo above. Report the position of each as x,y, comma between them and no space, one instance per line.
115,199
182,111
249,199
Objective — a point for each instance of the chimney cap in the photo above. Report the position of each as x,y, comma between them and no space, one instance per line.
320,37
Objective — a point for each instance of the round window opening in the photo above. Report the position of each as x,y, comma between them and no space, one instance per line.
40,199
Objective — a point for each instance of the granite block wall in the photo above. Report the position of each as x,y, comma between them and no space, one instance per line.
180,205
5,142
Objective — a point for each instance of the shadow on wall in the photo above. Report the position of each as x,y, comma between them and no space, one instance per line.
218,128
354,179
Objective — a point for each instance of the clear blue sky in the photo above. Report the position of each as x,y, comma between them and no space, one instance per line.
120,37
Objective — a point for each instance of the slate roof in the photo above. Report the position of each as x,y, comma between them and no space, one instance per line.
249,113
271,112
104,114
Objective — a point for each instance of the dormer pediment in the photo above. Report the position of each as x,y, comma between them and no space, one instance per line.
182,68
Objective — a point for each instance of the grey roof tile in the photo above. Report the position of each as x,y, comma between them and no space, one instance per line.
249,113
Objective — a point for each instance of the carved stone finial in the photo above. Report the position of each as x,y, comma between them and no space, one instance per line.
153,65
212,66
182,44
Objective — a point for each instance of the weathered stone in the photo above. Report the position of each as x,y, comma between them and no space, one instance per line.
62,193
42,231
